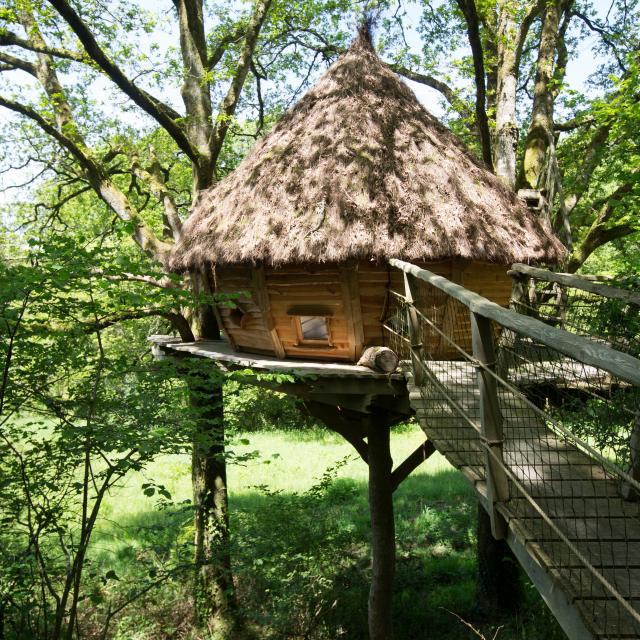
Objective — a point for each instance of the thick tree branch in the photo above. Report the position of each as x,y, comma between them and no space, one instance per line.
600,232
228,107
223,44
196,90
525,25
153,178
163,283
51,129
162,113
574,123
102,185
7,38
468,8
11,62
178,321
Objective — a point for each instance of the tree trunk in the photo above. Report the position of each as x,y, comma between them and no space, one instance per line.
382,532
541,128
506,133
214,596
498,588
214,584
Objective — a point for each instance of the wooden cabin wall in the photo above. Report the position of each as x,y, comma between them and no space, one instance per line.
322,285
254,335
488,280
373,282
356,296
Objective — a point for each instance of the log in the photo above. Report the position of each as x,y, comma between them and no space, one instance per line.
379,359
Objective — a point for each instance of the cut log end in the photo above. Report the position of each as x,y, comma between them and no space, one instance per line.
380,359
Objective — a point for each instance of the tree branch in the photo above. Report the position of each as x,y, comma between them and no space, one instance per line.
468,8
12,62
162,113
102,185
228,107
604,35
222,46
164,283
178,321
7,38
574,123
429,81
525,25
159,189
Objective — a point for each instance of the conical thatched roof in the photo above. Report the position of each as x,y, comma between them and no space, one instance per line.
359,169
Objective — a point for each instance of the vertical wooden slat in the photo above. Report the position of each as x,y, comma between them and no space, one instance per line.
490,421
259,283
415,334
353,310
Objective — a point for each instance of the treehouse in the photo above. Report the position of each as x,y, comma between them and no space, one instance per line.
356,173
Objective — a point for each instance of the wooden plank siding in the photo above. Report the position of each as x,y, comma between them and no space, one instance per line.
300,285
254,335
356,295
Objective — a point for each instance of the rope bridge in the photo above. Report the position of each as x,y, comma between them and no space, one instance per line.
546,425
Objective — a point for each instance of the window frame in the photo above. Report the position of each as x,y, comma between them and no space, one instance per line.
310,342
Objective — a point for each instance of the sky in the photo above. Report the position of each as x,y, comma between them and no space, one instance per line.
580,67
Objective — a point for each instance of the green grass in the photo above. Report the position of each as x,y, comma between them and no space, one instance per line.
302,559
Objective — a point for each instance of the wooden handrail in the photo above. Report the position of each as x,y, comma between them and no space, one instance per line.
576,282
619,364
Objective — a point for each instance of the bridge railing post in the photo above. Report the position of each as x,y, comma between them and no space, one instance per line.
490,422
415,334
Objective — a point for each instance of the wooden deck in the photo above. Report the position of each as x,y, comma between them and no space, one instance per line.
574,491
222,352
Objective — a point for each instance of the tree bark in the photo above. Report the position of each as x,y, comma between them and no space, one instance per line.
469,10
383,546
506,132
214,584
541,129
214,589
499,589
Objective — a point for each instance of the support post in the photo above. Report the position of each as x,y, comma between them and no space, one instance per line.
383,545
519,292
415,334
627,491
491,422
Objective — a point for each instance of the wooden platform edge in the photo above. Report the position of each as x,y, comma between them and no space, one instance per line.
551,591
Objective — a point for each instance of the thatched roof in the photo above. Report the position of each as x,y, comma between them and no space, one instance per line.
359,169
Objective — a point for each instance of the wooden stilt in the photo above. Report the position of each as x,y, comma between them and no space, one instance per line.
383,549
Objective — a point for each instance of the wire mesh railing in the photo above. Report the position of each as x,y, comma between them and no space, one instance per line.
548,425
608,310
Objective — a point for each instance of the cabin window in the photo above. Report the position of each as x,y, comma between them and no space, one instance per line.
238,317
313,330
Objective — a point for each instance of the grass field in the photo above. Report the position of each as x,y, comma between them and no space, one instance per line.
300,546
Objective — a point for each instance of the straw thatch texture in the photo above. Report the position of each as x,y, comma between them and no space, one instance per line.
359,169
